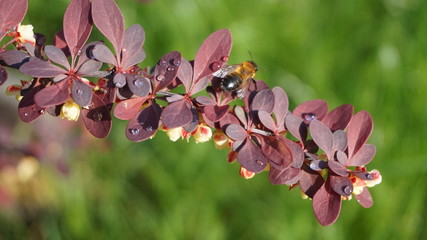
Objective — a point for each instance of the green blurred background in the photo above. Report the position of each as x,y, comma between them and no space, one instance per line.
372,54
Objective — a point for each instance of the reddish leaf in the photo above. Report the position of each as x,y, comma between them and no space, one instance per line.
359,130
338,168
109,20
86,54
28,110
12,12
314,109
326,205
192,126
77,25
177,114
89,67
339,118
119,80
145,125
296,127
323,137
339,141
81,93
281,105
200,85
166,70
127,109
263,100
140,86
3,75
341,185
56,55
236,132
14,58
132,52
214,112
97,118
277,152
185,74
59,42
241,115
297,152
363,156
102,53
39,68
205,100
365,198
267,120
310,181
251,157
286,176
212,54
54,95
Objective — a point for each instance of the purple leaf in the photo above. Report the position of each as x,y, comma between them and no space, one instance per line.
140,86
12,12
97,118
89,67
365,198
127,109
56,55
322,136
263,100
310,181
251,157
134,59
212,54
81,93
241,115
286,176
281,106
339,118
28,110
132,46
267,120
174,97
119,80
103,54
86,54
200,85
185,74
363,156
297,152
339,141
56,94
359,130
338,168
236,132
296,127
192,126
39,68
3,75
166,70
314,109
326,205
58,41
177,114
341,185
205,100
14,58
342,157
145,125
277,152
109,20
77,25
214,112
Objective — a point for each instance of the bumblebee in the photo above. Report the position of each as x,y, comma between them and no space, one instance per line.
236,77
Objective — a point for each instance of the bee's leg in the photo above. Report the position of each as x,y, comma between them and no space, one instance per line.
240,93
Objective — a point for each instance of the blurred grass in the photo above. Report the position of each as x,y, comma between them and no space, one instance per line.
371,54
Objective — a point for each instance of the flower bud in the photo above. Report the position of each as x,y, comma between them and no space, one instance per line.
376,178
70,110
174,133
25,34
245,173
202,134
221,140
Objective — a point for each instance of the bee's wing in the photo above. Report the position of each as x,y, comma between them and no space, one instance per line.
224,71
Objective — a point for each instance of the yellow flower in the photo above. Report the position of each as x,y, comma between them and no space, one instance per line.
221,140
70,111
174,133
25,34
202,134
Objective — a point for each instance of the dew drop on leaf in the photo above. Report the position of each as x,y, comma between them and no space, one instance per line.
79,91
138,83
119,85
176,62
259,162
98,116
79,53
215,66
162,62
134,131
124,50
170,69
347,190
42,111
369,176
26,114
224,58
160,77
308,117
149,129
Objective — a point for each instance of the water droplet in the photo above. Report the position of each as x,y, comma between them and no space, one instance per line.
138,83
42,111
134,131
308,117
97,116
149,128
347,190
79,53
224,58
314,166
176,62
124,50
162,62
369,176
160,77
79,91
259,162
119,85
125,104
26,114
215,66
170,69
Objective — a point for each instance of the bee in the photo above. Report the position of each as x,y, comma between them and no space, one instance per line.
236,77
